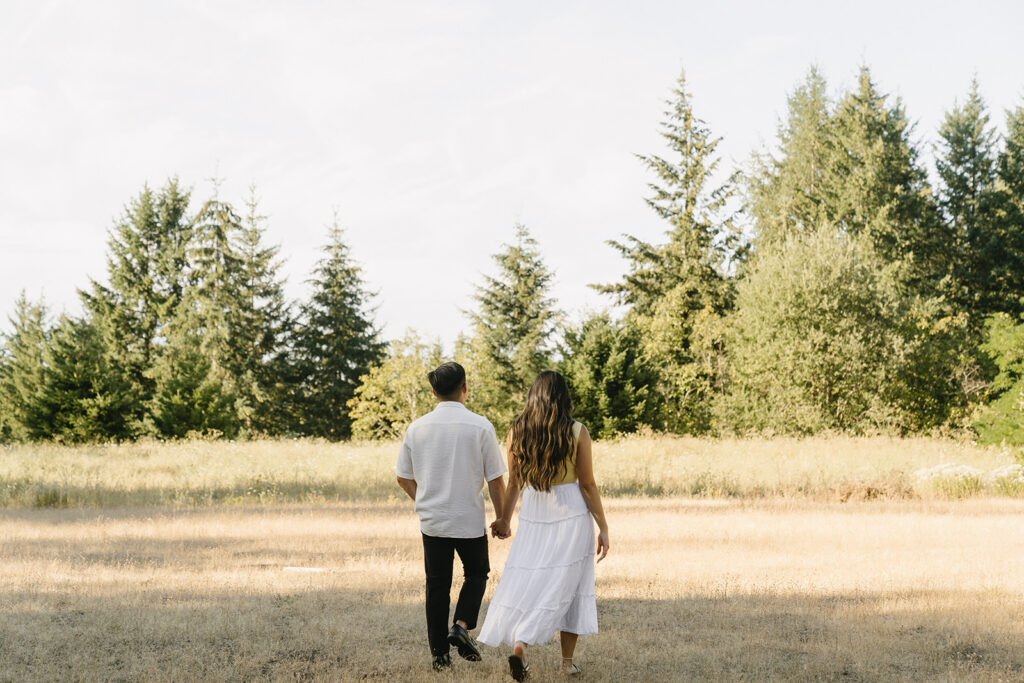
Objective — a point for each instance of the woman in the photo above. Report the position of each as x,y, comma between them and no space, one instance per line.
548,581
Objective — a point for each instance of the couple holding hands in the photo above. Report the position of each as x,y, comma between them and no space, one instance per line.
547,584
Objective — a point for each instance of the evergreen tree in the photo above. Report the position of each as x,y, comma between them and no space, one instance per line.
194,395
966,162
260,325
613,390
677,291
146,269
784,191
1006,249
856,172
196,381
701,235
395,392
875,186
512,330
85,396
336,342
22,373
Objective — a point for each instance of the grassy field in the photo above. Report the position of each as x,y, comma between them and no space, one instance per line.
198,473
817,559
693,589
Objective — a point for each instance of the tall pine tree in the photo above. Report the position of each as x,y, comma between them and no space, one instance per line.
678,291
966,158
146,266
196,381
1007,279
875,185
260,324
22,373
336,342
512,330
784,191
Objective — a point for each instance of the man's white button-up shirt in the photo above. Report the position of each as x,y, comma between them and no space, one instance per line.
450,452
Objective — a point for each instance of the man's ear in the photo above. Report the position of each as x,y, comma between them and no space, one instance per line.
434,393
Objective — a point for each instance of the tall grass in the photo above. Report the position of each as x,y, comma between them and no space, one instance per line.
204,473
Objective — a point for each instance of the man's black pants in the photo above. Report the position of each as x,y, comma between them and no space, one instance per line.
438,558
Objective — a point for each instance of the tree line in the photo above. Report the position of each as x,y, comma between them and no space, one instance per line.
828,285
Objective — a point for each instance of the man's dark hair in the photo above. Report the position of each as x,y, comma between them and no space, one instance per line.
447,379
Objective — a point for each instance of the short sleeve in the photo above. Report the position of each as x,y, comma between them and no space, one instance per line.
404,467
494,464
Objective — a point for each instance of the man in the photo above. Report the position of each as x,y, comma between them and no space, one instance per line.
445,458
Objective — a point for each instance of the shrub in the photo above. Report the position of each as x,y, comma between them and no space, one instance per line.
1007,480
952,481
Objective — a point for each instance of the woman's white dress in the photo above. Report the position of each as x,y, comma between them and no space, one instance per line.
548,581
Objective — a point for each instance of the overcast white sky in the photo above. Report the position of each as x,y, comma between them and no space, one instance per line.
432,127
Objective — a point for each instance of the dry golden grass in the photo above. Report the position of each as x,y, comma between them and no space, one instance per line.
197,473
693,590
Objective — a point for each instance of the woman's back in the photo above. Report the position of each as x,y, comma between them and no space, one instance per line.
570,460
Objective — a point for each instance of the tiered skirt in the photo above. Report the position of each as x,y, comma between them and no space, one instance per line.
548,581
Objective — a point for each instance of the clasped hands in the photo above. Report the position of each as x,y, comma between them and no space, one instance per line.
500,528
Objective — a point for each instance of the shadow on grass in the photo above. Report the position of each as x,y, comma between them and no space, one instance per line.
317,633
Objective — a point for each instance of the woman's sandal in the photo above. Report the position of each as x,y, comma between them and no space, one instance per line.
574,671
519,669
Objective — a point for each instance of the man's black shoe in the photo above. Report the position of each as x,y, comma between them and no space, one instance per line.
461,640
441,662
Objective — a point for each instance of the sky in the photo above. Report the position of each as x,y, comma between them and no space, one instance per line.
429,128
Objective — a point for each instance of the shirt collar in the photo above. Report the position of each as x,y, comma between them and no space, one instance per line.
449,404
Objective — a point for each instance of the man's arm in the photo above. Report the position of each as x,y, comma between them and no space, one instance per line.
409,486
496,487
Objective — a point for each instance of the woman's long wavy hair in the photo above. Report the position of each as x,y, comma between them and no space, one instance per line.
540,439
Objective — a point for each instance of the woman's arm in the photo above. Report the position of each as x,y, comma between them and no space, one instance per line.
591,494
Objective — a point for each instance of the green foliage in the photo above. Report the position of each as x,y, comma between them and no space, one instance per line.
701,235
686,346
22,373
336,343
195,394
224,367
512,331
261,323
784,191
85,395
1003,419
966,164
1005,250
860,303
677,292
854,165
875,186
395,392
612,386
196,380
146,267
823,339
